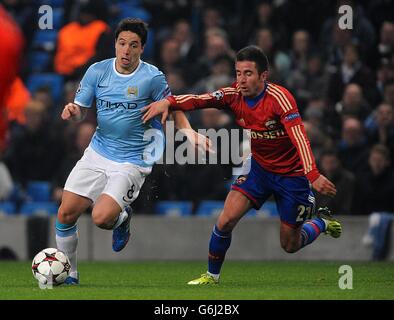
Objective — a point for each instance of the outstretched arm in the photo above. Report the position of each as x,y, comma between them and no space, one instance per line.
218,99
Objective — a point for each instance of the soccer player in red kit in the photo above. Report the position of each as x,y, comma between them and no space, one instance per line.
282,163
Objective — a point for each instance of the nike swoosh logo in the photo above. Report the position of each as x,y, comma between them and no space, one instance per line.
99,86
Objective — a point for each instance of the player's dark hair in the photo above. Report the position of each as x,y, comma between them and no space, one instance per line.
134,25
255,54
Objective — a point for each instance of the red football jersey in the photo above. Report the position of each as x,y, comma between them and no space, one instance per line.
278,139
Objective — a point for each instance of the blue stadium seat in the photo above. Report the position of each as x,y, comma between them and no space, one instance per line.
38,191
7,207
39,61
174,208
58,18
210,208
51,80
45,40
31,208
53,3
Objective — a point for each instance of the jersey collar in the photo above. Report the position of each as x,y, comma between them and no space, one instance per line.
126,75
251,102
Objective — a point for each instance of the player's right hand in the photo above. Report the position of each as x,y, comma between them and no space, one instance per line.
71,111
154,109
324,186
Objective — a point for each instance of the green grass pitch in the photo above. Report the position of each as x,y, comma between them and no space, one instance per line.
158,280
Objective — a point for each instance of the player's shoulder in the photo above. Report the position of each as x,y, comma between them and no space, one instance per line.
150,69
273,88
280,94
99,68
102,65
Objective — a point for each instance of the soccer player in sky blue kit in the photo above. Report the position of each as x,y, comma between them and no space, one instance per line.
281,164
113,168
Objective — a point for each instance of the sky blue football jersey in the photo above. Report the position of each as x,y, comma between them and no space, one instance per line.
119,98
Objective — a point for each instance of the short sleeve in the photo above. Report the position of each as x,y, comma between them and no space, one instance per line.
87,88
160,88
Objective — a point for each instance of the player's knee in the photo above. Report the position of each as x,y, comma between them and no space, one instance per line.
101,220
227,224
66,215
290,247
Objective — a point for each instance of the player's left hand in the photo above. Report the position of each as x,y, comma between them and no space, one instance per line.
324,186
202,143
154,109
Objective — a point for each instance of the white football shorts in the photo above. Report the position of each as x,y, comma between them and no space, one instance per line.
94,174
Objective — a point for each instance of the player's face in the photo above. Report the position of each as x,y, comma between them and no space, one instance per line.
251,83
128,50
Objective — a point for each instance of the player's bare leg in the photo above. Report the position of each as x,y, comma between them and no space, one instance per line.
71,208
107,214
293,238
290,237
235,206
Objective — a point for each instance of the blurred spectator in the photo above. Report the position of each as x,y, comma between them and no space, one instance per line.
187,46
221,76
335,39
34,150
170,59
384,73
351,70
300,50
388,92
82,42
374,188
344,180
176,82
309,83
352,148
16,102
380,126
264,16
318,139
386,43
280,62
353,103
216,44
84,134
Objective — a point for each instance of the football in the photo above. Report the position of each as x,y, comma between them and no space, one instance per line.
50,267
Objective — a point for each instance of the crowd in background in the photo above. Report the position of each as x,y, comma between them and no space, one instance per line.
343,82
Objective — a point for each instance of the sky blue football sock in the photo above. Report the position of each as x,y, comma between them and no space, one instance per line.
67,241
218,245
311,230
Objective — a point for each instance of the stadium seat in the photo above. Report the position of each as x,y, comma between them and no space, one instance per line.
47,208
174,208
39,61
7,207
210,208
45,40
38,191
58,15
51,80
53,3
